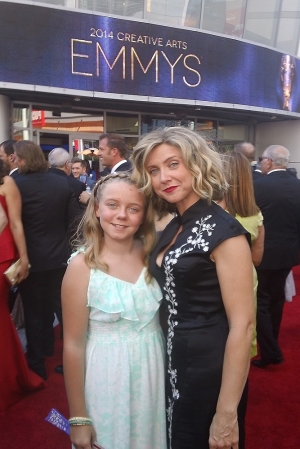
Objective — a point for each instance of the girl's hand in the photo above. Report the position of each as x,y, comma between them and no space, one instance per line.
83,437
224,432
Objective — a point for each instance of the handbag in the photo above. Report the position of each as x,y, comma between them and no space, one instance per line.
3,219
12,272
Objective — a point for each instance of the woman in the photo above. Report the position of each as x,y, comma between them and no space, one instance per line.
113,344
15,377
203,264
239,201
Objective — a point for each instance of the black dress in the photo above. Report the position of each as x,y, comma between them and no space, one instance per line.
196,320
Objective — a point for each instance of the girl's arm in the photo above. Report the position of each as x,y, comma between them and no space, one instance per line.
234,269
257,248
75,320
14,207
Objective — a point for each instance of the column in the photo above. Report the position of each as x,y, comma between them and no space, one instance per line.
4,118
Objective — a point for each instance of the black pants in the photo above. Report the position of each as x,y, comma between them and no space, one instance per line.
41,297
270,303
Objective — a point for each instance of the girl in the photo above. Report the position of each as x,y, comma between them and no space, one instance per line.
113,344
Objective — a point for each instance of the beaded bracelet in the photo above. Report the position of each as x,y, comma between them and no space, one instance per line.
80,421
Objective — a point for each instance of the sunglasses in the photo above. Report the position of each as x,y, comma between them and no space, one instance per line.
261,158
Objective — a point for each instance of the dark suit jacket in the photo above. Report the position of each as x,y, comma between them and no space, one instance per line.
14,174
126,166
49,206
105,172
278,197
75,185
256,174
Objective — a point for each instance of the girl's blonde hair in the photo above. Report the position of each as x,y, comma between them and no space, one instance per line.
90,234
204,164
240,195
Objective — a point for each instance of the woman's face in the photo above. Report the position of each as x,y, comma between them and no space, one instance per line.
170,178
121,210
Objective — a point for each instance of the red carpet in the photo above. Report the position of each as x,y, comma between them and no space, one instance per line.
273,417
24,426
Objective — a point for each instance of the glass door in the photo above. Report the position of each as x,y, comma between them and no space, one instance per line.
48,140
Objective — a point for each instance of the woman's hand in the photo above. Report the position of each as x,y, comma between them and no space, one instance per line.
224,432
23,269
83,437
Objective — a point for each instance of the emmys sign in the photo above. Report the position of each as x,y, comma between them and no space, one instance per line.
98,55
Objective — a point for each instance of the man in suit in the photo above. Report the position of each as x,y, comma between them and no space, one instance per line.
49,207
7,155
60,164
113,152
278,196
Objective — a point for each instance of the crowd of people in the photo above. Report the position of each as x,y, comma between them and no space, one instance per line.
167,276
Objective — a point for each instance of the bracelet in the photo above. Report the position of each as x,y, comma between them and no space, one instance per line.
80,421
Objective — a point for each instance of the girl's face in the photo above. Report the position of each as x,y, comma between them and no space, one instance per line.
170,178
121,210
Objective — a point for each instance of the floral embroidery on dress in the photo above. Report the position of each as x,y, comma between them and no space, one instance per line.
195,241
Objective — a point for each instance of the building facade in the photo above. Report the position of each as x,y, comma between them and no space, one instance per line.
71,69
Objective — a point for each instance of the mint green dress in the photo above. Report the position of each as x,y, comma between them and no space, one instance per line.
125,367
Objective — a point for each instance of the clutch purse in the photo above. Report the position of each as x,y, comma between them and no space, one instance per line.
11,272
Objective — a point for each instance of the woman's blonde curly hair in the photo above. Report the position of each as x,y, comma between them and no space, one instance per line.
204,164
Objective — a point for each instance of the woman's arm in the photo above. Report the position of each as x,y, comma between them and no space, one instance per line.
14,207
257,248
234,269
75,319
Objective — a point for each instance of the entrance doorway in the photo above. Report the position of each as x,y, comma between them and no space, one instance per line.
48,140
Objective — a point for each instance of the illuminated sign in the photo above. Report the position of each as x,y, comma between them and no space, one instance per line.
38,118
96,54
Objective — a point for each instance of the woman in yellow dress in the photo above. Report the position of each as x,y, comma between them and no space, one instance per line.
239,201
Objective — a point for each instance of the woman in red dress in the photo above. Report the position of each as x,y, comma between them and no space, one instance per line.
15,377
